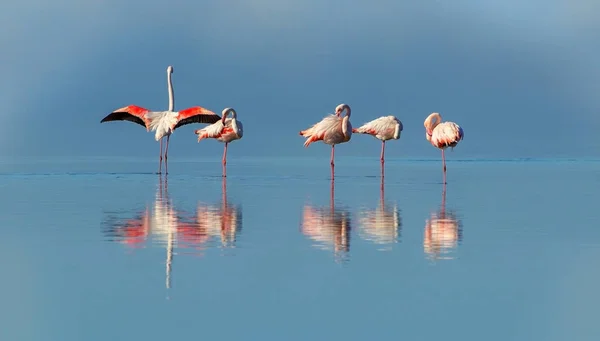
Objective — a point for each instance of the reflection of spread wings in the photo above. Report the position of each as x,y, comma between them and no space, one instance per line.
327,227
131,232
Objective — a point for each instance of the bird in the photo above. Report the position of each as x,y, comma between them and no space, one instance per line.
442,134
383,128
332,130
226,130
163,123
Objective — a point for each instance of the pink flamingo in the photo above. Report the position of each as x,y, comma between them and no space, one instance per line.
442,134
225,130
383,128
163,122
332,130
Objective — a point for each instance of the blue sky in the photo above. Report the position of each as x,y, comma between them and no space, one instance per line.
522,79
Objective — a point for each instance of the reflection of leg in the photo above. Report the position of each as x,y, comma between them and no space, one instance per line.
166,153
381,191
224,191
160,159
332,196
444,197
225,160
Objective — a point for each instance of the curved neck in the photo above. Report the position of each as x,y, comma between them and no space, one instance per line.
171,95
347,107
228,112
433,121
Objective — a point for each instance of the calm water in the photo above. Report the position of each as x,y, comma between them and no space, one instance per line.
104,250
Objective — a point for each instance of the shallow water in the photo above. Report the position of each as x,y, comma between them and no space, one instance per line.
102,249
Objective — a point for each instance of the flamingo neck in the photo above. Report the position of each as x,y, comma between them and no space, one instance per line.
229,112
348,111
171,95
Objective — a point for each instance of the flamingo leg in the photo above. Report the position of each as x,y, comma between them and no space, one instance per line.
332,163
160,159
225,160
444,165
167,152
382,157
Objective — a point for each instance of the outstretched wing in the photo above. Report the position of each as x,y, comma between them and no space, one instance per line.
196,115
132,113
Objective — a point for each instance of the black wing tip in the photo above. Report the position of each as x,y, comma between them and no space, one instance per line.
122,116
112,116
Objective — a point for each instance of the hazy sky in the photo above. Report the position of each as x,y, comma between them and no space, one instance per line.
521,78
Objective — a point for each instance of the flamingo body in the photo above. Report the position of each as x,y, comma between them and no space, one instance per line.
226,130
383,128
446,134
331,130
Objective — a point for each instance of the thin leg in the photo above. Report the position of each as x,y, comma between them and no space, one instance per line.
225,160
444,165
332,196
332,155
160,159
332,163
382,157
167,152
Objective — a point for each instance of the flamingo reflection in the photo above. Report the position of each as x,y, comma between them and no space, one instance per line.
328,227
382,225
222,221
162,223
443,232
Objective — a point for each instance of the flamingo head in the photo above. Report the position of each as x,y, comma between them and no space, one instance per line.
169,69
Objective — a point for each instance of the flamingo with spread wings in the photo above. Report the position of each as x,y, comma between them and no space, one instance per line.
225,130
332,130
383,128
442,134
163,123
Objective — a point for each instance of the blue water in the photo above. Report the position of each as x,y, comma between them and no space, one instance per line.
103,249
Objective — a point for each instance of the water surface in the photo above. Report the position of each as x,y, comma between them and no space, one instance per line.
103,249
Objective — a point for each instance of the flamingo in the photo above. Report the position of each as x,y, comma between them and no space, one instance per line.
442,134
383,128
332,130
225,130
163,122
